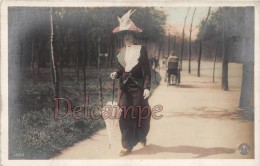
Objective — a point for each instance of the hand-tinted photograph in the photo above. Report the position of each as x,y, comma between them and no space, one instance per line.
131,82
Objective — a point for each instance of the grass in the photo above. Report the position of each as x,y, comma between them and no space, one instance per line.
33,131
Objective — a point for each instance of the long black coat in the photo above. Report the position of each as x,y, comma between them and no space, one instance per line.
130,93
140,74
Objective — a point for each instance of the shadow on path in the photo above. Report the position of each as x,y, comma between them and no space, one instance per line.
215,113
195,86
200,151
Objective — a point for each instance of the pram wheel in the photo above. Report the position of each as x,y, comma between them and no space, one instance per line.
172,79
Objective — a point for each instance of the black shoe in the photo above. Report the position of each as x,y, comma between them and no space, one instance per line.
125,152
143,142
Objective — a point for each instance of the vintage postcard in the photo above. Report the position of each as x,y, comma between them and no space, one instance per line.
130,83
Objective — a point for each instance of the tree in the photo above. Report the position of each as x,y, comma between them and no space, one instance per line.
183,34
152,22
75,27
225,51
169,44
201,38
217,25
235,26
247,34
190,40
63,39
215,59
213,28
53,60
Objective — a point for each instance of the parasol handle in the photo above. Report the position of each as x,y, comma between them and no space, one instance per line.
113,91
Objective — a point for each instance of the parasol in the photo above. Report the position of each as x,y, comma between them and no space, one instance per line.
111,114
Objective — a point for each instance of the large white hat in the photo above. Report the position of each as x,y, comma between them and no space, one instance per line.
126,24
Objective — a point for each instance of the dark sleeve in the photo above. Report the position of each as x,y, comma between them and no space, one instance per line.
146,69
120,70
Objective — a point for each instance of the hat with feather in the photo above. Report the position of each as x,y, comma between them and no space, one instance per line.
126,24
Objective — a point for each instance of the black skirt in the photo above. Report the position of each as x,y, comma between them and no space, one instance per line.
135,117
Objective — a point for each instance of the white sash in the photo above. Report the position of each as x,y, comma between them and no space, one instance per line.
129,57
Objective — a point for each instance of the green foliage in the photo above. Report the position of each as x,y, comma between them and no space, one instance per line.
151,21
79,28
214,26
101,21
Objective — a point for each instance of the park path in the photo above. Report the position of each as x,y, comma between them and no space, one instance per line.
199,121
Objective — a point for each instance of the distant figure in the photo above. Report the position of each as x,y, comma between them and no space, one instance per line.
172,65
164,61
151,61
156,63
172,57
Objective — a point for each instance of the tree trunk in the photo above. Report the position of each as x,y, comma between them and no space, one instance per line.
189,69
33,57
53,60
201,40
159,55
21,54
77,53
98,52
62,59
108,51
67,56
189,61
225,75
99,77
62,49
100,91
247,89
225,52
38,62
183,34
199,58
52,73
112,51
174,43
84,74
89,53
215,59
169,44
87,50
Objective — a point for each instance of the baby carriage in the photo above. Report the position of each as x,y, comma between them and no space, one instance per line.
173,71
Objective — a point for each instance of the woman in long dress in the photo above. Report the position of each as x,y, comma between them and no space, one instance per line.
134,76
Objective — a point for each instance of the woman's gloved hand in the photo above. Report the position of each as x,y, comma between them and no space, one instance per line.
146,93
113,75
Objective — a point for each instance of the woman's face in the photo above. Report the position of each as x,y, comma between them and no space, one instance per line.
128,39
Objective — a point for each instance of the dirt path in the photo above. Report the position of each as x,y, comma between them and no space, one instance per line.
199,121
